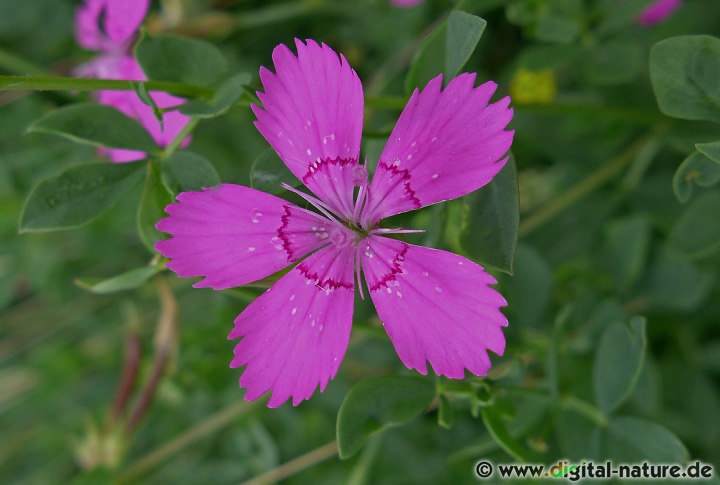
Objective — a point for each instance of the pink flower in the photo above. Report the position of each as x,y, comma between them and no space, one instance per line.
406,3
658,12
109,26
436,306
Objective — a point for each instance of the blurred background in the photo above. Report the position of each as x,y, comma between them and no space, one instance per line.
602,262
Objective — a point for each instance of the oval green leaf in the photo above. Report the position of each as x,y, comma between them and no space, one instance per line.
97,125
490,221
152,207
226,95
630,439
710,150
697,233
618,363
78,195
695,170
269,172
179,59
684,71
186,170
378,403
463,34
124,281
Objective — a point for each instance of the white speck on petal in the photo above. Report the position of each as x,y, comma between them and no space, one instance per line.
434,176
254,221
292,297
434,138
460,263
425,273
294,311
409,157
278,246
438,289
321,328
389,290
413,144
399,294
258,214
251,249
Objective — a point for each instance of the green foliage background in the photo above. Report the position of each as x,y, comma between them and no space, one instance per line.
614,305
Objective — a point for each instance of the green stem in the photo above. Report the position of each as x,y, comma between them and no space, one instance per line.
207,427
585,409
49,83
581,189
294,466
180,137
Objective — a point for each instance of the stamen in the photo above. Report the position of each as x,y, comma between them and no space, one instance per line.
399,230
360,202
357,275
317,203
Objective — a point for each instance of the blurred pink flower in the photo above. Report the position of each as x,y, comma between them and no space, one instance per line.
110,27
658,12
436,306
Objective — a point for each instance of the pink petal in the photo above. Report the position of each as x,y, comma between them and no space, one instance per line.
126,67
658,12
436,306
294,336
123,18
87,26
312,116
446,144
234,235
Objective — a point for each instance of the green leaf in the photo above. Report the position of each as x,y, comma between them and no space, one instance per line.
490,220
630,439
530,287
446,414
556,27
628,242
125,281
684,71
429,60
676,283
463,34
446,50
696,169
618,363
268,172
155,198
697,233
495,425
378,403
180,59
78,195
226,95
97,125
710,150
186,170
145,97
614,62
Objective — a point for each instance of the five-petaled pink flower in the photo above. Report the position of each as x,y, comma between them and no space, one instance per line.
436,306
658,11
110,27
